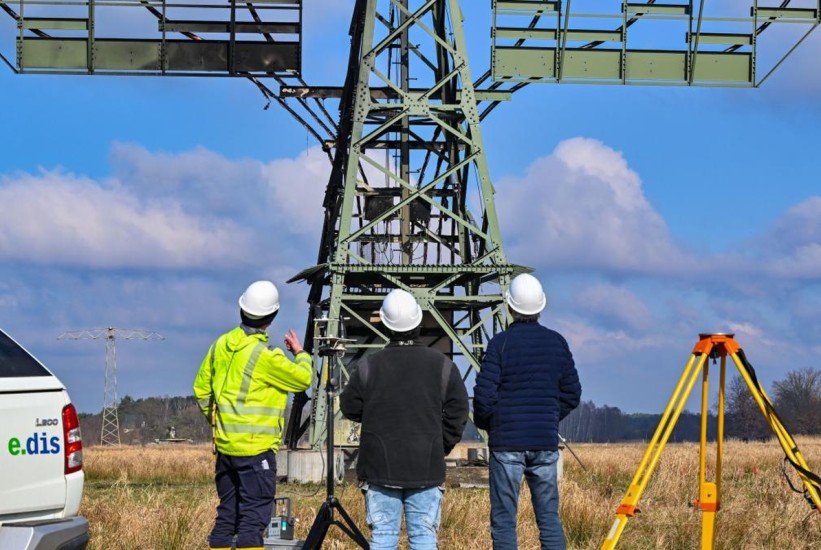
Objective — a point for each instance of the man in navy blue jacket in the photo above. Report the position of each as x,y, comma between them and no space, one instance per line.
527,384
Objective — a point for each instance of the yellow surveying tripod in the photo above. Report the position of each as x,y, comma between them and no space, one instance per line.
709,346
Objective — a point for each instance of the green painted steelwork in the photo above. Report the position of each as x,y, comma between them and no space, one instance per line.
402,217
549,42
231,40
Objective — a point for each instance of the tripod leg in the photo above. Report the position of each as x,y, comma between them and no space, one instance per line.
629,504
316,536
811,482
349,527
325,515
708,492
324,520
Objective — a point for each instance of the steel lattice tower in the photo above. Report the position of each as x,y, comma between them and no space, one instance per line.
409,203
110,431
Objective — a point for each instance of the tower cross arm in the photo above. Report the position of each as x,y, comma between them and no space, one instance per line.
111,333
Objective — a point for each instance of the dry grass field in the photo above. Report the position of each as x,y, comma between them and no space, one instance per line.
162,498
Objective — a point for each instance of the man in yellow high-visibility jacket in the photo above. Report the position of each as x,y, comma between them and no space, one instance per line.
242,388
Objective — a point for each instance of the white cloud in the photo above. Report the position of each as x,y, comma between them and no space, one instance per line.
283,196
297,187
54,218
204,180
747,330
583,207
805,262
617,286
614,306
591,344
194,209
791,247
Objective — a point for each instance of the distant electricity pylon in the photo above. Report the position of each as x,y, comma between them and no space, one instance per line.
110,431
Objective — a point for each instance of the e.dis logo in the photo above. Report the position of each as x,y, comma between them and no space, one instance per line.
37,444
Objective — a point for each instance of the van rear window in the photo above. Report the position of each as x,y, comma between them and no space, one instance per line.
15,361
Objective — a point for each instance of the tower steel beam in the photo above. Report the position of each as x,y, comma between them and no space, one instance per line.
227,39
691,44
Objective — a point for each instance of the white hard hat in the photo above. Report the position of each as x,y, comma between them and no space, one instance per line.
400,312
525,295
260,299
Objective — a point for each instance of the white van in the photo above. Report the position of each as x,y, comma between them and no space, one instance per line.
41,457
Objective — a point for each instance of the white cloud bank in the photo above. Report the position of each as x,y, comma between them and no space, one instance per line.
583,207
148,246
791,248
615,306
61,219
192,210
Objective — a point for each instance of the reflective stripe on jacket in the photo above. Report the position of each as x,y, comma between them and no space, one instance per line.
246,383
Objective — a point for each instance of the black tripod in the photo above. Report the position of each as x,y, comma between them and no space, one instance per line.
325,516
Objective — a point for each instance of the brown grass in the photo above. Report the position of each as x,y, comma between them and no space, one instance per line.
162,498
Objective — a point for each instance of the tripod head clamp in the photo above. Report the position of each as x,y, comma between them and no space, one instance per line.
332,345
326,342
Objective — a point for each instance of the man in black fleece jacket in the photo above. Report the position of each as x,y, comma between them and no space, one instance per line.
413,406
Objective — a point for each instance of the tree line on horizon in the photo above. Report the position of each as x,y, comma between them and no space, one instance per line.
796,399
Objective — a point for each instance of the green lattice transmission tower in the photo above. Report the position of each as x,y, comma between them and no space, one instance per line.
110,425
409,203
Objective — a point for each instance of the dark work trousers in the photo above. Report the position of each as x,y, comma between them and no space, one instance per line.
246,486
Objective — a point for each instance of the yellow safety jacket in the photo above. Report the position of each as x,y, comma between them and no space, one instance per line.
242,389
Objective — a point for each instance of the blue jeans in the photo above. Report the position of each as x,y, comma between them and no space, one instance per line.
423,508
539,469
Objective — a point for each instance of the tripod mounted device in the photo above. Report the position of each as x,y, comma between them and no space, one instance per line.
710,346
331,348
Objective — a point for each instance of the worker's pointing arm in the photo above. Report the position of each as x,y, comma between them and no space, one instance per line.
292,376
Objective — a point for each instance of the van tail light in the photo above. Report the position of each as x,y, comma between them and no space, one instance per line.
72,439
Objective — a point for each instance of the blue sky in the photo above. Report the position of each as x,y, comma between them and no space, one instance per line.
650,214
